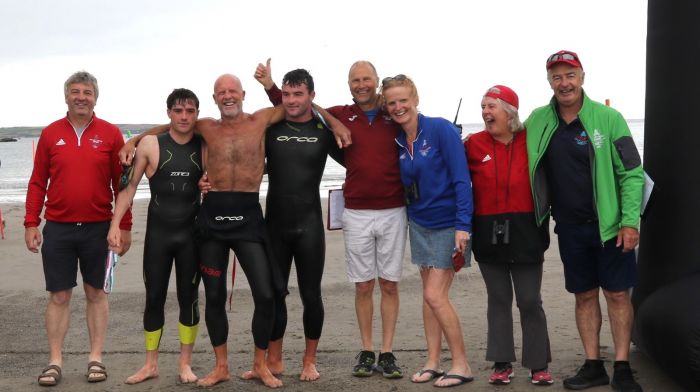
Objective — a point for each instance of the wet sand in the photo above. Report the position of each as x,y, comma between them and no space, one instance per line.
24,350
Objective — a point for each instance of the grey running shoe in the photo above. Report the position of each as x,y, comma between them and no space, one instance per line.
591,374
388,367
623,380
365,364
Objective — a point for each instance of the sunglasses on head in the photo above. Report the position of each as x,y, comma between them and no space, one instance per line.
562,56
397,78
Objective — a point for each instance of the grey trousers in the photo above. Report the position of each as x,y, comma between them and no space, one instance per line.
526,279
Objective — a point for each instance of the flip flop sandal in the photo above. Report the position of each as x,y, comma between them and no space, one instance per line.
462,380
96,372
52,371
433,375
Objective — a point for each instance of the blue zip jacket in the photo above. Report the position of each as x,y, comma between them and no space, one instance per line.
439,169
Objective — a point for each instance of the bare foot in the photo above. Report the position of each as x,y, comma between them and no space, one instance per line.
264,375
309,372
275,367
146,373
249,375
219,374
253,375
186,374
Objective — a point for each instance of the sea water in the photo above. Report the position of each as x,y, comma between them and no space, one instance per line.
16,166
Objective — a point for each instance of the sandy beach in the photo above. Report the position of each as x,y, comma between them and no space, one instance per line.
24,351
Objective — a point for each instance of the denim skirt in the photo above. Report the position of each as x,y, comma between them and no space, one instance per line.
431,247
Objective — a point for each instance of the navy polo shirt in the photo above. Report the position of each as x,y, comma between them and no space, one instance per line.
568,165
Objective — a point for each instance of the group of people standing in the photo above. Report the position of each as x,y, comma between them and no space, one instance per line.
573,159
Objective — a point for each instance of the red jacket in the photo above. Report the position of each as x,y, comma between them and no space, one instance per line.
83,172
495,190
372,179
502,197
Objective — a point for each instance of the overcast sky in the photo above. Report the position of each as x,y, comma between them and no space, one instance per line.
140,50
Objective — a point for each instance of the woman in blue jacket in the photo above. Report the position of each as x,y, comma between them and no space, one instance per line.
439,204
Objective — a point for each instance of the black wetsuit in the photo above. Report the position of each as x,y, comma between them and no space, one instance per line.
233,220
169,231
296,156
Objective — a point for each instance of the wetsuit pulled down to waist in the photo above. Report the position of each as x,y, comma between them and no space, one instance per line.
228,216
237,216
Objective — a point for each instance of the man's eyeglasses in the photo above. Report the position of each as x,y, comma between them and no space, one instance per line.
397,78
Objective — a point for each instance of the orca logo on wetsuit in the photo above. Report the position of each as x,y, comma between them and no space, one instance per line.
179,174
302,139
229,218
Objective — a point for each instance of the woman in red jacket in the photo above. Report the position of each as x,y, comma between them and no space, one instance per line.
507,243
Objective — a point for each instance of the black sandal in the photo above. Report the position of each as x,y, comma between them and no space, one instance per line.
433,375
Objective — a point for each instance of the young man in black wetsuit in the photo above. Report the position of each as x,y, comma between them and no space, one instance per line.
172,162
296,150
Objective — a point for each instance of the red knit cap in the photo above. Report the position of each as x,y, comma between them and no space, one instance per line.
503,93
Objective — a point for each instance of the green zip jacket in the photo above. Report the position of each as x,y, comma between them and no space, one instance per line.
616,167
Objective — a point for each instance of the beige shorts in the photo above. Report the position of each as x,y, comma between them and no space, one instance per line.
375,243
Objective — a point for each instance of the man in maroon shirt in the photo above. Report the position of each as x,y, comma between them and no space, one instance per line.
76,161
374,220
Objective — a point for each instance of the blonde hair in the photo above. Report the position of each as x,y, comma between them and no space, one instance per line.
399,80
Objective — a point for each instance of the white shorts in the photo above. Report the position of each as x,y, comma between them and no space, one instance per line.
375,243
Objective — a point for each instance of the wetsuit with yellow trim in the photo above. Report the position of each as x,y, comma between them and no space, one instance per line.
170,236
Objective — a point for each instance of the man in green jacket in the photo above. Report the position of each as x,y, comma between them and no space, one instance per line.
585,170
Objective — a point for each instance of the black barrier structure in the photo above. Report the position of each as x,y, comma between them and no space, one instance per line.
667,299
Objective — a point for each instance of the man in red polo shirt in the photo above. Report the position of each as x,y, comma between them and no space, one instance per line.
76,161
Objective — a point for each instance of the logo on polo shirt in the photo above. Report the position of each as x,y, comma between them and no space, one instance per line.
353,118
581,139
96,141
61,142
486,158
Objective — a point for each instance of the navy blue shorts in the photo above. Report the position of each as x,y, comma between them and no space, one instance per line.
589,264
69,245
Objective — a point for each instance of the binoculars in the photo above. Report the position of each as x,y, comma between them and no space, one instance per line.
500,233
